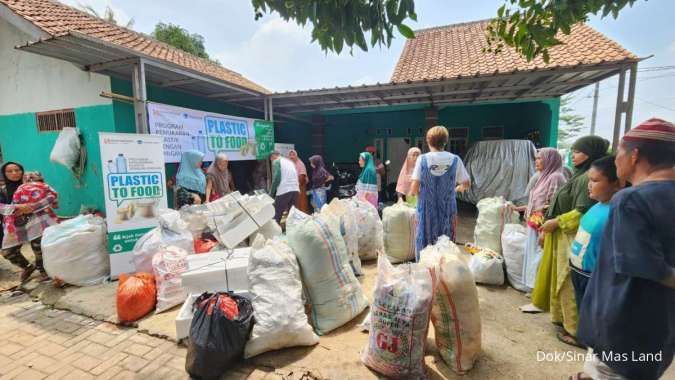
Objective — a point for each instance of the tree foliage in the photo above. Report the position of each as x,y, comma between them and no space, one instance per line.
531,26
108,15
336,24
182,39
570,124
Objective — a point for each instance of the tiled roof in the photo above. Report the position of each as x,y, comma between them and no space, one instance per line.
57,19
457,50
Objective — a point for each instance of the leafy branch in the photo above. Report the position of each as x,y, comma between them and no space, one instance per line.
532,27
340,23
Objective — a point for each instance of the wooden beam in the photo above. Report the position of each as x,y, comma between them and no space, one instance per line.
96,67
179,82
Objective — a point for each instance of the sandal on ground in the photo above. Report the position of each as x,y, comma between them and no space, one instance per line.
44,277
27,271
580,376
530,309
566,338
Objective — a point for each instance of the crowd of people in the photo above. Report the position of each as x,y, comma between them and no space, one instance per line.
600,249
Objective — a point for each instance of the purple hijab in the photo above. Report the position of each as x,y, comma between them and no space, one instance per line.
550,180
319,172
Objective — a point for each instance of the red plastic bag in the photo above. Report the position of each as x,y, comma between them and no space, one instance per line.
136,296
204,245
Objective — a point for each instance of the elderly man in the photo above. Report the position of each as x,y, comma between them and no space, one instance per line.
628,311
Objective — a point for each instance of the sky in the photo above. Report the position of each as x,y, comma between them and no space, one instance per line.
280,55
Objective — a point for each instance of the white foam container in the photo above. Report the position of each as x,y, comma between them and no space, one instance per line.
237,217
211,272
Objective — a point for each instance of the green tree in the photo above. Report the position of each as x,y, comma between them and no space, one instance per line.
108,15
336,24
180,38
570,124
529,26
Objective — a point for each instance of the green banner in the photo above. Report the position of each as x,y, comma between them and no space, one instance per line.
264,136
124,241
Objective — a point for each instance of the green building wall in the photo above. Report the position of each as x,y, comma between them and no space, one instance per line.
20,141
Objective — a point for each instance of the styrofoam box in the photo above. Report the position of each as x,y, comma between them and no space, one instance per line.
217,271
206,273
234,224
185,315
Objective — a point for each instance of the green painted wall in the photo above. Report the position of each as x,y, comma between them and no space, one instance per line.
348,132
20,141
516,118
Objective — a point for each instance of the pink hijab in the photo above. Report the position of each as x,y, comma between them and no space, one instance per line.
550,180
404,181
299,165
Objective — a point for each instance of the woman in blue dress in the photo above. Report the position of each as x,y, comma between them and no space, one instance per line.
435,181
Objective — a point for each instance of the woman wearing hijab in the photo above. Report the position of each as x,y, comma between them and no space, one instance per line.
190,179
28,221
549,178
553,289
303,204
319,184
404,177
366,186
218,178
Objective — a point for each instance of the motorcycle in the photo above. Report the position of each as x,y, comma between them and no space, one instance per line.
344,185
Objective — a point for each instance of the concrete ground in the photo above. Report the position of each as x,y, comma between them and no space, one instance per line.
71,333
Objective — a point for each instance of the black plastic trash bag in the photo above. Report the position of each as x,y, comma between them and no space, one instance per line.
218,334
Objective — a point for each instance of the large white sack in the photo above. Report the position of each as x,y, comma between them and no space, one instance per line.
493,214
172,231
274,281
342,210
370,229
66,150
399,320
456,312
75,251
334,293
400,223
514,239
487,267
168,264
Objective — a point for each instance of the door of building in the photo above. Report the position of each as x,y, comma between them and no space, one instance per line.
397,149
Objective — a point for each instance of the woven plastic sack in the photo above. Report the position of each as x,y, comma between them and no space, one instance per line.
399,320
334,293
342,210
370,229
75,251
400,223
172,231
66,150
274,281
514,239
136,296
487,267
168,264
493,214
456,312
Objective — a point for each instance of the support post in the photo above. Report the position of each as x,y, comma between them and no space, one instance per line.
631,98
140,97
619,109
266,109
271,109
596,95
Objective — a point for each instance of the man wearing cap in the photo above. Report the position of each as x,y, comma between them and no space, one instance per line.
628,313
285,185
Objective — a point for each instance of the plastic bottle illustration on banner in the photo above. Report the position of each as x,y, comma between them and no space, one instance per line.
121,163
201,142
111,167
